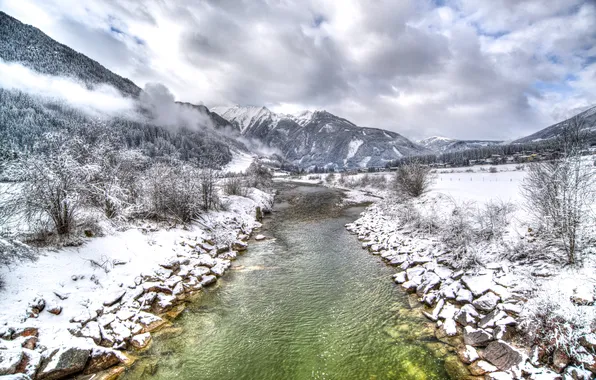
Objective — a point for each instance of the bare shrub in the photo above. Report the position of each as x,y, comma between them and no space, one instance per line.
52,192
207,179
493,218
550,320
413,179
235,186
174,192
560,192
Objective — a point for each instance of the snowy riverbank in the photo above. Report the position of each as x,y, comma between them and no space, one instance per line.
486,309
76,309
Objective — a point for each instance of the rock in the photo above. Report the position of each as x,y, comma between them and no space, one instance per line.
577,373
507,280
560,360
91,330
490,320
409,286
102,359
173,264
163,303
487,302
466,316
35,307
114,298
63,362
120,332
450,291
583,295
260,237
449,328
16,376
149,321
141,341
205,260
434,316
218,270
9,360
502,332
400,277
498,376
30,363
476,337
208,280
56,310
443,272
481,367
502,355
414,272
511,308
25,332
448,311
464,296
588,341
430,280
200,271
467,354
478,285
239,246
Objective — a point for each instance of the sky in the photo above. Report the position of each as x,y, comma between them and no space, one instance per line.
468,69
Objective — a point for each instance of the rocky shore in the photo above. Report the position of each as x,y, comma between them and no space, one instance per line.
101,341
476,312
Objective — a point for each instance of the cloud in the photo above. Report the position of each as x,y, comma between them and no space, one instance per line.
101,100
160,102
465,68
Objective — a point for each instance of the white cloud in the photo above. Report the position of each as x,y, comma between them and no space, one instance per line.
467,69
100,100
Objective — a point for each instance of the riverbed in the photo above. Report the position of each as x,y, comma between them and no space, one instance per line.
306,303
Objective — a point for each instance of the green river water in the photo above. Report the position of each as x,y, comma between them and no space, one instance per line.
307,304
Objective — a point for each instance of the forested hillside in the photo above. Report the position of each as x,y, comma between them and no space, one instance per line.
32,48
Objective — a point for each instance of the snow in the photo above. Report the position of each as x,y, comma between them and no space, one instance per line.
353,148
105,269
245,116
240,162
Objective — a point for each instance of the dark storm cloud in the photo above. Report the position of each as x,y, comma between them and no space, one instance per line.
461,68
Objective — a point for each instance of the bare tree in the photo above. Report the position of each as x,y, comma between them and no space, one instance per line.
52,192
175,192
560,192
207,179
413,179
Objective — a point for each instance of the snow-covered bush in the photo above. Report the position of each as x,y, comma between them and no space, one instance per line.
553,322
259,176
493,219
235,186
52,193
412,180
560,194
175,192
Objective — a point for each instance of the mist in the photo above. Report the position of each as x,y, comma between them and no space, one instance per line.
101,100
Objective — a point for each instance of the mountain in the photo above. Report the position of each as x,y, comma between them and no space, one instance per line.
444,144
31,123
587,118
32,48
319,138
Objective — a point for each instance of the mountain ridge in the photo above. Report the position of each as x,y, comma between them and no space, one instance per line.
320,138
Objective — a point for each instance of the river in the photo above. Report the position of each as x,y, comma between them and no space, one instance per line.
308,303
